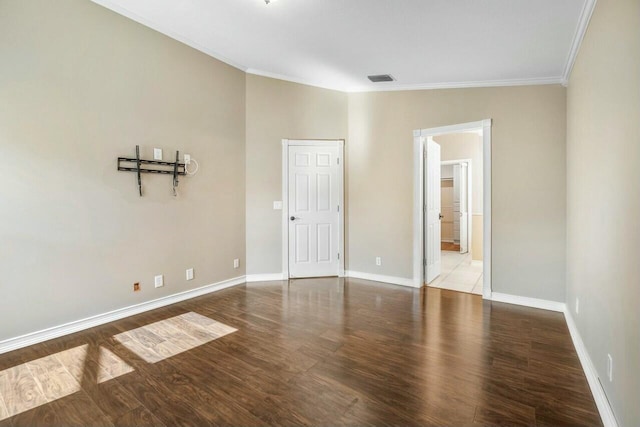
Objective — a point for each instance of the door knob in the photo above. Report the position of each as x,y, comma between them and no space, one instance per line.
293,218
440,216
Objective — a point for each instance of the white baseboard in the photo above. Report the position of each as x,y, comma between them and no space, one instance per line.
528,302
380,278
606,412
89,322
264,277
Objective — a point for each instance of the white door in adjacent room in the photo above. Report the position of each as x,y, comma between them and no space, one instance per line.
464,208
314,199
432,211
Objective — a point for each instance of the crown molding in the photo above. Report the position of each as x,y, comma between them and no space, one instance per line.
285,78
578,36
463,85
584,19
109,5
426,86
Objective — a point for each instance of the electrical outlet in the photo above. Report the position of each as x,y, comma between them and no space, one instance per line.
136,287
190,274
610,367
378,260
159,281
157,154
187,159
577,306
236,263
277,205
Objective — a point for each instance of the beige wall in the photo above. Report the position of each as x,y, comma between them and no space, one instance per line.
603,201
80,86
528,168
279,110
458,146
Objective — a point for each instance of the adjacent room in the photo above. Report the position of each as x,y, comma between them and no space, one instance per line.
329,213
461,206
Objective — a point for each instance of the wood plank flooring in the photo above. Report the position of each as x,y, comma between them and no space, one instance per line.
307,352
448,246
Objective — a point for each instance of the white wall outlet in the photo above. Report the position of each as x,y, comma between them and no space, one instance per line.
277,205
577,306
187,159
378,260
159,281
610,367
236,263
157,154
190,274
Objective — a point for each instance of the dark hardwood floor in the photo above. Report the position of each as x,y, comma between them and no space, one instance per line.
331,352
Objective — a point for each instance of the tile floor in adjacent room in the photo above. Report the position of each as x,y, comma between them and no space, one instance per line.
459,273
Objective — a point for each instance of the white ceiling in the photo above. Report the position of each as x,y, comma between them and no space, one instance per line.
337,43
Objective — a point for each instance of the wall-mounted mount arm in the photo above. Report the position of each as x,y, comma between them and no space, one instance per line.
173,168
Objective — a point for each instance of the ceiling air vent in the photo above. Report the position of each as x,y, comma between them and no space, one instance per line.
381,78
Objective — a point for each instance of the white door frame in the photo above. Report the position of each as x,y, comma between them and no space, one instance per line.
469,193
419,138
286,143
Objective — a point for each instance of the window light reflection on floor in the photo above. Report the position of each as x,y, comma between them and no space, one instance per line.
38,382
166,338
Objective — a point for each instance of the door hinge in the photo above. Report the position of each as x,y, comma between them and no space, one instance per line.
338,208
338,159
338,255
424,262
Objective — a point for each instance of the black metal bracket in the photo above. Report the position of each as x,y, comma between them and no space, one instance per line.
177,168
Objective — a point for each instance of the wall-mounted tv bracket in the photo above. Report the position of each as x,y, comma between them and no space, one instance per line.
177,168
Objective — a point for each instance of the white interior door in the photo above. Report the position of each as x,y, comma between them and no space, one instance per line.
456,203
313,211
464,207
432,210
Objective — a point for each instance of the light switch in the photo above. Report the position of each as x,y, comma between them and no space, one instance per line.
157,154
277,205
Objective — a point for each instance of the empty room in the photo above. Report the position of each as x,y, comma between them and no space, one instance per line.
319,213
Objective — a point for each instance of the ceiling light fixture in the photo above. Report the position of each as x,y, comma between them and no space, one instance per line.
269,1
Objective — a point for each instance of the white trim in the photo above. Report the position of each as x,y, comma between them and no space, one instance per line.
454,162
462,85
599,395
419,138
264,277
167,32
423,86
528,302
578,36
286,143
380,278
115,7
100,319
289,79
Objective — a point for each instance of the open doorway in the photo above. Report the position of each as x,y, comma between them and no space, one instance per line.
461,207
452,199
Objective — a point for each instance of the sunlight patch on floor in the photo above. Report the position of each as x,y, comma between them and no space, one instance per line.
38,382
166,338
